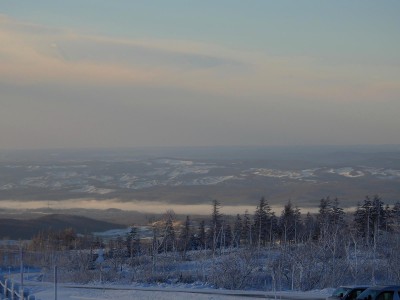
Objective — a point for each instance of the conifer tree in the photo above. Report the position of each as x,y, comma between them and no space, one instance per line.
370,218
228,237
310,228
337,214
237,231
395,214
133,242
185,237
201,235
262,223
215,231
168,233
246,229
324,218
289,223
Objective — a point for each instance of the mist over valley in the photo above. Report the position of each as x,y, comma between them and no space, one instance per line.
157,178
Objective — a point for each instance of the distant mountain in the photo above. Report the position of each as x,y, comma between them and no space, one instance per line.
25,229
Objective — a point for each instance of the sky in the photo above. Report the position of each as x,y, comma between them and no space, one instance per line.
96,73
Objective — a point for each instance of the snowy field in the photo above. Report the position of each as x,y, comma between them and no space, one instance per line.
127,293
45,291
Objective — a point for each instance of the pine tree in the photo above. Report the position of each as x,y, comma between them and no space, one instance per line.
289,223
379,216
185,237
246,229
324,218
168,241
388,219
273,228
370,218
396,216
310,228
133,242
262,223
201,235
360,220
214,233
228,237
237,231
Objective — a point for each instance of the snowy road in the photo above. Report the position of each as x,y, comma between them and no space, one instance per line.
86,292
65,291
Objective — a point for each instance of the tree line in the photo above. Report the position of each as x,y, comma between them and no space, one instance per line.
371,218
294,250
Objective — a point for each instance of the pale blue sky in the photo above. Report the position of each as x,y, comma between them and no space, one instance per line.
317,28
162,73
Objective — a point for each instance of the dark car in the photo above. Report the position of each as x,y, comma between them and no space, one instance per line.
347,292
388,292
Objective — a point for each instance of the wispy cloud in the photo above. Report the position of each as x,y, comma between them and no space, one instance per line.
34,53
67,88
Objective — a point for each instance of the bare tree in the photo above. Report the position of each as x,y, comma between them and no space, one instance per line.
234,270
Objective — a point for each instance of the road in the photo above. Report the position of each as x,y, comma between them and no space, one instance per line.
46,291
129,292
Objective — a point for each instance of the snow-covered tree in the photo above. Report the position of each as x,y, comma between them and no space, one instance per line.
237,231
290,223
263,230
214,235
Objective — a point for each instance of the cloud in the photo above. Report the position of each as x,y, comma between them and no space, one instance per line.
30,56
32,53
92,49
62,88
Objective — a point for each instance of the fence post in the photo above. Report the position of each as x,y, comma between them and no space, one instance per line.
21,272
12,291
5,287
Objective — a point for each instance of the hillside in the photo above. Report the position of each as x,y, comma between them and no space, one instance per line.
25,229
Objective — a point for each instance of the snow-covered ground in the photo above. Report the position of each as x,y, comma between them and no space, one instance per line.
46,291
98,291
